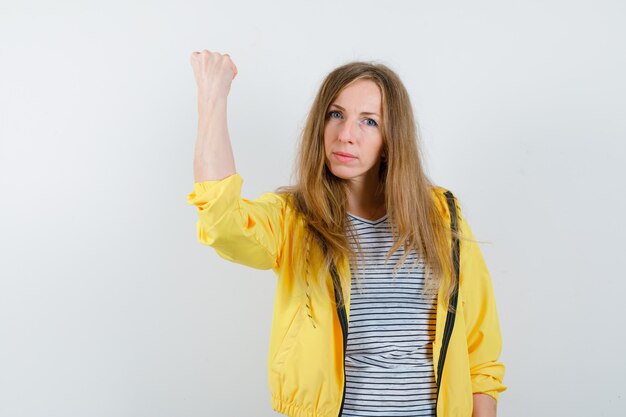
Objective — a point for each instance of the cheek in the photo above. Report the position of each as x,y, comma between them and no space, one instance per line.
377,145
327,139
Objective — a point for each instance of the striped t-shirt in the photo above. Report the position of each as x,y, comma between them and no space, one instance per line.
389,368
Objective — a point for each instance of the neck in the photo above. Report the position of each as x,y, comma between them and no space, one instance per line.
366,200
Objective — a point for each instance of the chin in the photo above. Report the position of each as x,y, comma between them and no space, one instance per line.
342,172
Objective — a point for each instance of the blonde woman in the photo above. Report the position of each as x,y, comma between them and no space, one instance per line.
384,305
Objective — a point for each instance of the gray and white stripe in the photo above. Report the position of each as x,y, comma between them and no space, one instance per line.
389,369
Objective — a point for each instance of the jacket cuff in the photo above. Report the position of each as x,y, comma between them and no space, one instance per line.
213,200
215,195
484,384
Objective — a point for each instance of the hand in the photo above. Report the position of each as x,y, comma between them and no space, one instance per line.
484,406
214,73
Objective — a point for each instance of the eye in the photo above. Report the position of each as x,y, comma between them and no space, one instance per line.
334,114
371,122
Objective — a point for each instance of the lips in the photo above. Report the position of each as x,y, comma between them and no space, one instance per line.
344,157
345,154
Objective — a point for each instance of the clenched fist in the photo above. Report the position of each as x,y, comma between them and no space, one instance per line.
214,74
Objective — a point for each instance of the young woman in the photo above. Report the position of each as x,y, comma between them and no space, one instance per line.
384,305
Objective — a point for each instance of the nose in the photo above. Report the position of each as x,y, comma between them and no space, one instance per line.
347,132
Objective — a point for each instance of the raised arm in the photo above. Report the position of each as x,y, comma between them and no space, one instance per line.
213,158
245,231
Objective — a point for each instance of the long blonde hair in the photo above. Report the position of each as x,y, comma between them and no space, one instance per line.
321,197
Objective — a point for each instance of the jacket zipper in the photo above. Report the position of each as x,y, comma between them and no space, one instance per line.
343,320
451,316
447,334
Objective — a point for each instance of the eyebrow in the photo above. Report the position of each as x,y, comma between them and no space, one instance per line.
363,112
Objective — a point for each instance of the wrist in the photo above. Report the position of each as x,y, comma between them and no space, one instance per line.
210,103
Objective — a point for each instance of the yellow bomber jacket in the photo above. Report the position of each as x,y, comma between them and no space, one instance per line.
306,358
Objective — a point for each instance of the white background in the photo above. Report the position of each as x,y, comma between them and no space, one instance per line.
110,307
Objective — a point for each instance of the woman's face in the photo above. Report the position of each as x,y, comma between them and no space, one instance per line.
353,138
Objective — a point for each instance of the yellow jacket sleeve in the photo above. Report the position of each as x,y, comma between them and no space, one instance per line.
247,232
484,341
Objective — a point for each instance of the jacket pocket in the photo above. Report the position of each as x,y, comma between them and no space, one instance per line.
286,347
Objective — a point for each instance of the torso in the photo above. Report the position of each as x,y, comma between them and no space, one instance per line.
389,368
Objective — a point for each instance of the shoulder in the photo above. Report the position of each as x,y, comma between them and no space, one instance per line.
442,198
271,198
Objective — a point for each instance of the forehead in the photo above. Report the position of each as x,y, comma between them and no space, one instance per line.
361,95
